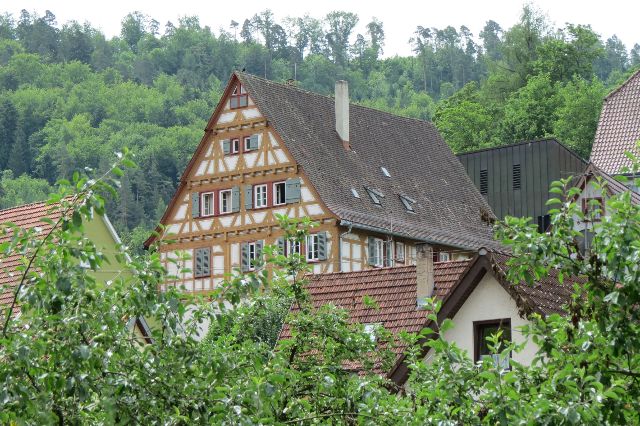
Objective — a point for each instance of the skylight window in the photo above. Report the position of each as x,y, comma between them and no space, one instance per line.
385,172
355,193
375,196
408,203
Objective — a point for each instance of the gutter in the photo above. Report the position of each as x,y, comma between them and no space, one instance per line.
397,234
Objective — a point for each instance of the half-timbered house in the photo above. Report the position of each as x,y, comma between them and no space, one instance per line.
375,183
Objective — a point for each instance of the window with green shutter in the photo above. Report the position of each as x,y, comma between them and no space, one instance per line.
292,190
202,262
248,197
251,255
195,204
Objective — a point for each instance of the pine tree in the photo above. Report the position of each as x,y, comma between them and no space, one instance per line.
8,126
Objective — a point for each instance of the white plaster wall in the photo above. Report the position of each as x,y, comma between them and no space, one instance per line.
589,192
487,302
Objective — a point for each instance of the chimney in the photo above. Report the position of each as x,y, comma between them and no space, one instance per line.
424,273
342,112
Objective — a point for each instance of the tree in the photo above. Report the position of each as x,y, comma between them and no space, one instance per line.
340,26
530,112
577,116
8,128
491,36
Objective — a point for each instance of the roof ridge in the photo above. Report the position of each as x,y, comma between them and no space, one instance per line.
299,89
25,205
521,142
617,89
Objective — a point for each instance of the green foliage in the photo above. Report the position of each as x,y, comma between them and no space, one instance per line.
70,357
71,96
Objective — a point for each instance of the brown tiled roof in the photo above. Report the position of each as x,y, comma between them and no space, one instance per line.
393,290
613,186
27,216
422,167
547,295
618,127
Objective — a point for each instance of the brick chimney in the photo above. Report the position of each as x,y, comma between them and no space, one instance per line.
424,273
342,112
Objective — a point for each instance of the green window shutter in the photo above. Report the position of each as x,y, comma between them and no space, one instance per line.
197,265
246,261
322,246
195,204
235,199
248,197
226,146
292,190
371,251
388,261
206,261
258,260
280,243
253,142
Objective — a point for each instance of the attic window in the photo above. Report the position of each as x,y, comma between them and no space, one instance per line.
484,182
375,196
239,97
385,172
408,203
516,177
355,193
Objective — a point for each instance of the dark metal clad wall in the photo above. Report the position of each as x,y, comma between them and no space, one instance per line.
541,162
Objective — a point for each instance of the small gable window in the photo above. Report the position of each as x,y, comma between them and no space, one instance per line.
239,97
593,209
279,193
225,201
376,196
408,203
482,331
207,204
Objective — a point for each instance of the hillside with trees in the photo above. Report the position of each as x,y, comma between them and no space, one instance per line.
70,96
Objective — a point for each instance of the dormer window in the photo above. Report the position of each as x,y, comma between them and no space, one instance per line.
239,97
376,196
385,172
408,203
355,193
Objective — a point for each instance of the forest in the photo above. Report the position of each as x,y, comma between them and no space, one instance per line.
70,97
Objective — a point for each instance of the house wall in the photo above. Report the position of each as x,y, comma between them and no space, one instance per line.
541,162
589,191
97,231
489,301
215,170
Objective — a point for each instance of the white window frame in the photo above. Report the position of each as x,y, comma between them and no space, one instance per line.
257,190
246,144
234,147
444,256
275,193
313,248
293,247
221,203
379,248
203,204
253,250
400,259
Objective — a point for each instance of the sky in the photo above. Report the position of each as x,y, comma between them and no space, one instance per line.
400,17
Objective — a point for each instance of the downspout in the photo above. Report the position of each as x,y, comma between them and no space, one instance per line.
340,244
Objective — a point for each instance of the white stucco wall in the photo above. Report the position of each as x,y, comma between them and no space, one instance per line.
489,301
590,191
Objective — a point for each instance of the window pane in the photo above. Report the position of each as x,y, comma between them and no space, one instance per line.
234,102
243,100
279,193
261,196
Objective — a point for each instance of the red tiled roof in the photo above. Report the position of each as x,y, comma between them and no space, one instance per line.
618,127
27,216
546,296
393,289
